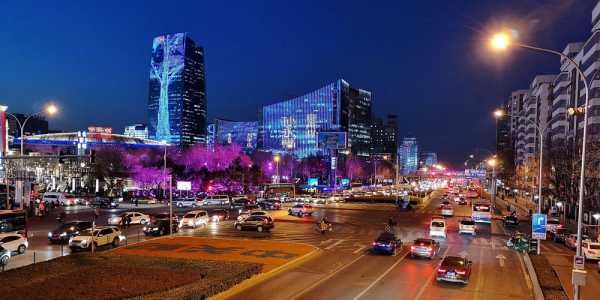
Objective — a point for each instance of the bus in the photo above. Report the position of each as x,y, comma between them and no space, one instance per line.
482,212
13,221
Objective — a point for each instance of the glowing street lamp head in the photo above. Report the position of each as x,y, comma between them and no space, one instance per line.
500,41
498,113
492,162
276,158
51,109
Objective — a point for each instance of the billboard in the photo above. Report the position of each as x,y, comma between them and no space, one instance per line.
313,181
332,140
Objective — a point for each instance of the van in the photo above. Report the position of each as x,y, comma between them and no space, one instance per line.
54,197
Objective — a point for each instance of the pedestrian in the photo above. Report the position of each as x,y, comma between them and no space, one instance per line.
42,208
123,221
136,202
128,220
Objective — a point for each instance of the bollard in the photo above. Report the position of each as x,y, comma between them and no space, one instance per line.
61,249
34,257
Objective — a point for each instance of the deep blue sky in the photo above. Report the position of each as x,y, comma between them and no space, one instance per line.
423,61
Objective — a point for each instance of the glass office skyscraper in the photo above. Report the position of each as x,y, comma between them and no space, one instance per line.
292,126
409,155
177,96
243,134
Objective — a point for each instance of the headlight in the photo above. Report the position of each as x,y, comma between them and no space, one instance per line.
49,234
215,218
63,234
145,228
70,240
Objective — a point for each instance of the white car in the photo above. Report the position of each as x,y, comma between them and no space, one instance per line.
437,227
218,200
300,210
194,218
467,226
54,197
553,224
108,235
14,242
247,214
590,249
447,211
136,218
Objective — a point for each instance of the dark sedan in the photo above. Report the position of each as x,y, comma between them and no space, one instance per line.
454,269
511,220
160,227
65,231
386,243
270,204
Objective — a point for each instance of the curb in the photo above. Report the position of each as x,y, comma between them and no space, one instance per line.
257,279
537,289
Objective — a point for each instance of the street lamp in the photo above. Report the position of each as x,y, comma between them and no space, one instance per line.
502,41
50,109
277,158
493,162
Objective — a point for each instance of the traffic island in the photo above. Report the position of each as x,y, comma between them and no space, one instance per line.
113,276
548,279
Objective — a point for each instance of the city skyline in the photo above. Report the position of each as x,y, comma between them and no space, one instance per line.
125,79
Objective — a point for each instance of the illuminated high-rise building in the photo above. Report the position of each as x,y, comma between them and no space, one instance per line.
243,134
292,126
177,96
408,155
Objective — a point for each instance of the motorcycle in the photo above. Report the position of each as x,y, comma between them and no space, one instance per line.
518,242
324,227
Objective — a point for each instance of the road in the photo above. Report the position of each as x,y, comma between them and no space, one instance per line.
345,269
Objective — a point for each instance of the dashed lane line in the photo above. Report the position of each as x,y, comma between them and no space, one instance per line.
380,277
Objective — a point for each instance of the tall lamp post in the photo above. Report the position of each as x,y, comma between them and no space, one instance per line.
492,162
277,158
50,109
502,41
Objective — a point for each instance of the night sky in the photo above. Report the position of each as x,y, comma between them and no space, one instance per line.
423,61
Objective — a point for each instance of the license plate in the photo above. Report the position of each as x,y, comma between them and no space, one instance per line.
451,274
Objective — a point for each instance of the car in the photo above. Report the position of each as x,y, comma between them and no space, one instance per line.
54,197
300,210
101,236
14,242
185,202
240,202
65,231
69,200
386,243
103,202
444,203
219,215
553,224
462,201
510,221
571,240
559,235
136,218
437,227
447,211
246,214
270,204
216,200
259,223
466,225
194,218
424,247
590,249
454,269
160,227
164,215
4,256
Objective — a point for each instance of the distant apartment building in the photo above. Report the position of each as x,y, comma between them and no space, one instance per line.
384,137
137,131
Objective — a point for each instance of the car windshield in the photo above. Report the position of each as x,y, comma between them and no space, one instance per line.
189,216
453,262
467,222
437,224
595,246
422,242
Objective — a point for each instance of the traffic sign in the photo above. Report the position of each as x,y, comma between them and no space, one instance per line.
538,226
579,262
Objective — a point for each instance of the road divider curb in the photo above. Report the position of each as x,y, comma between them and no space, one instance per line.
257,279
537,289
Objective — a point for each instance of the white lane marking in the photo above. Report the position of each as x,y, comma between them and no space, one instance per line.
380,277
430,277
479,275
360,248
501,259
325,241
318,282
334,244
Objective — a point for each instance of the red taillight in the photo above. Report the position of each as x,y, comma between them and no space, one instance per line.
440,270
429,250
461,272
374,244
412,248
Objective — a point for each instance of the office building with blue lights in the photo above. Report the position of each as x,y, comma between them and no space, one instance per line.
177,94
243,134
292,126
408,155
